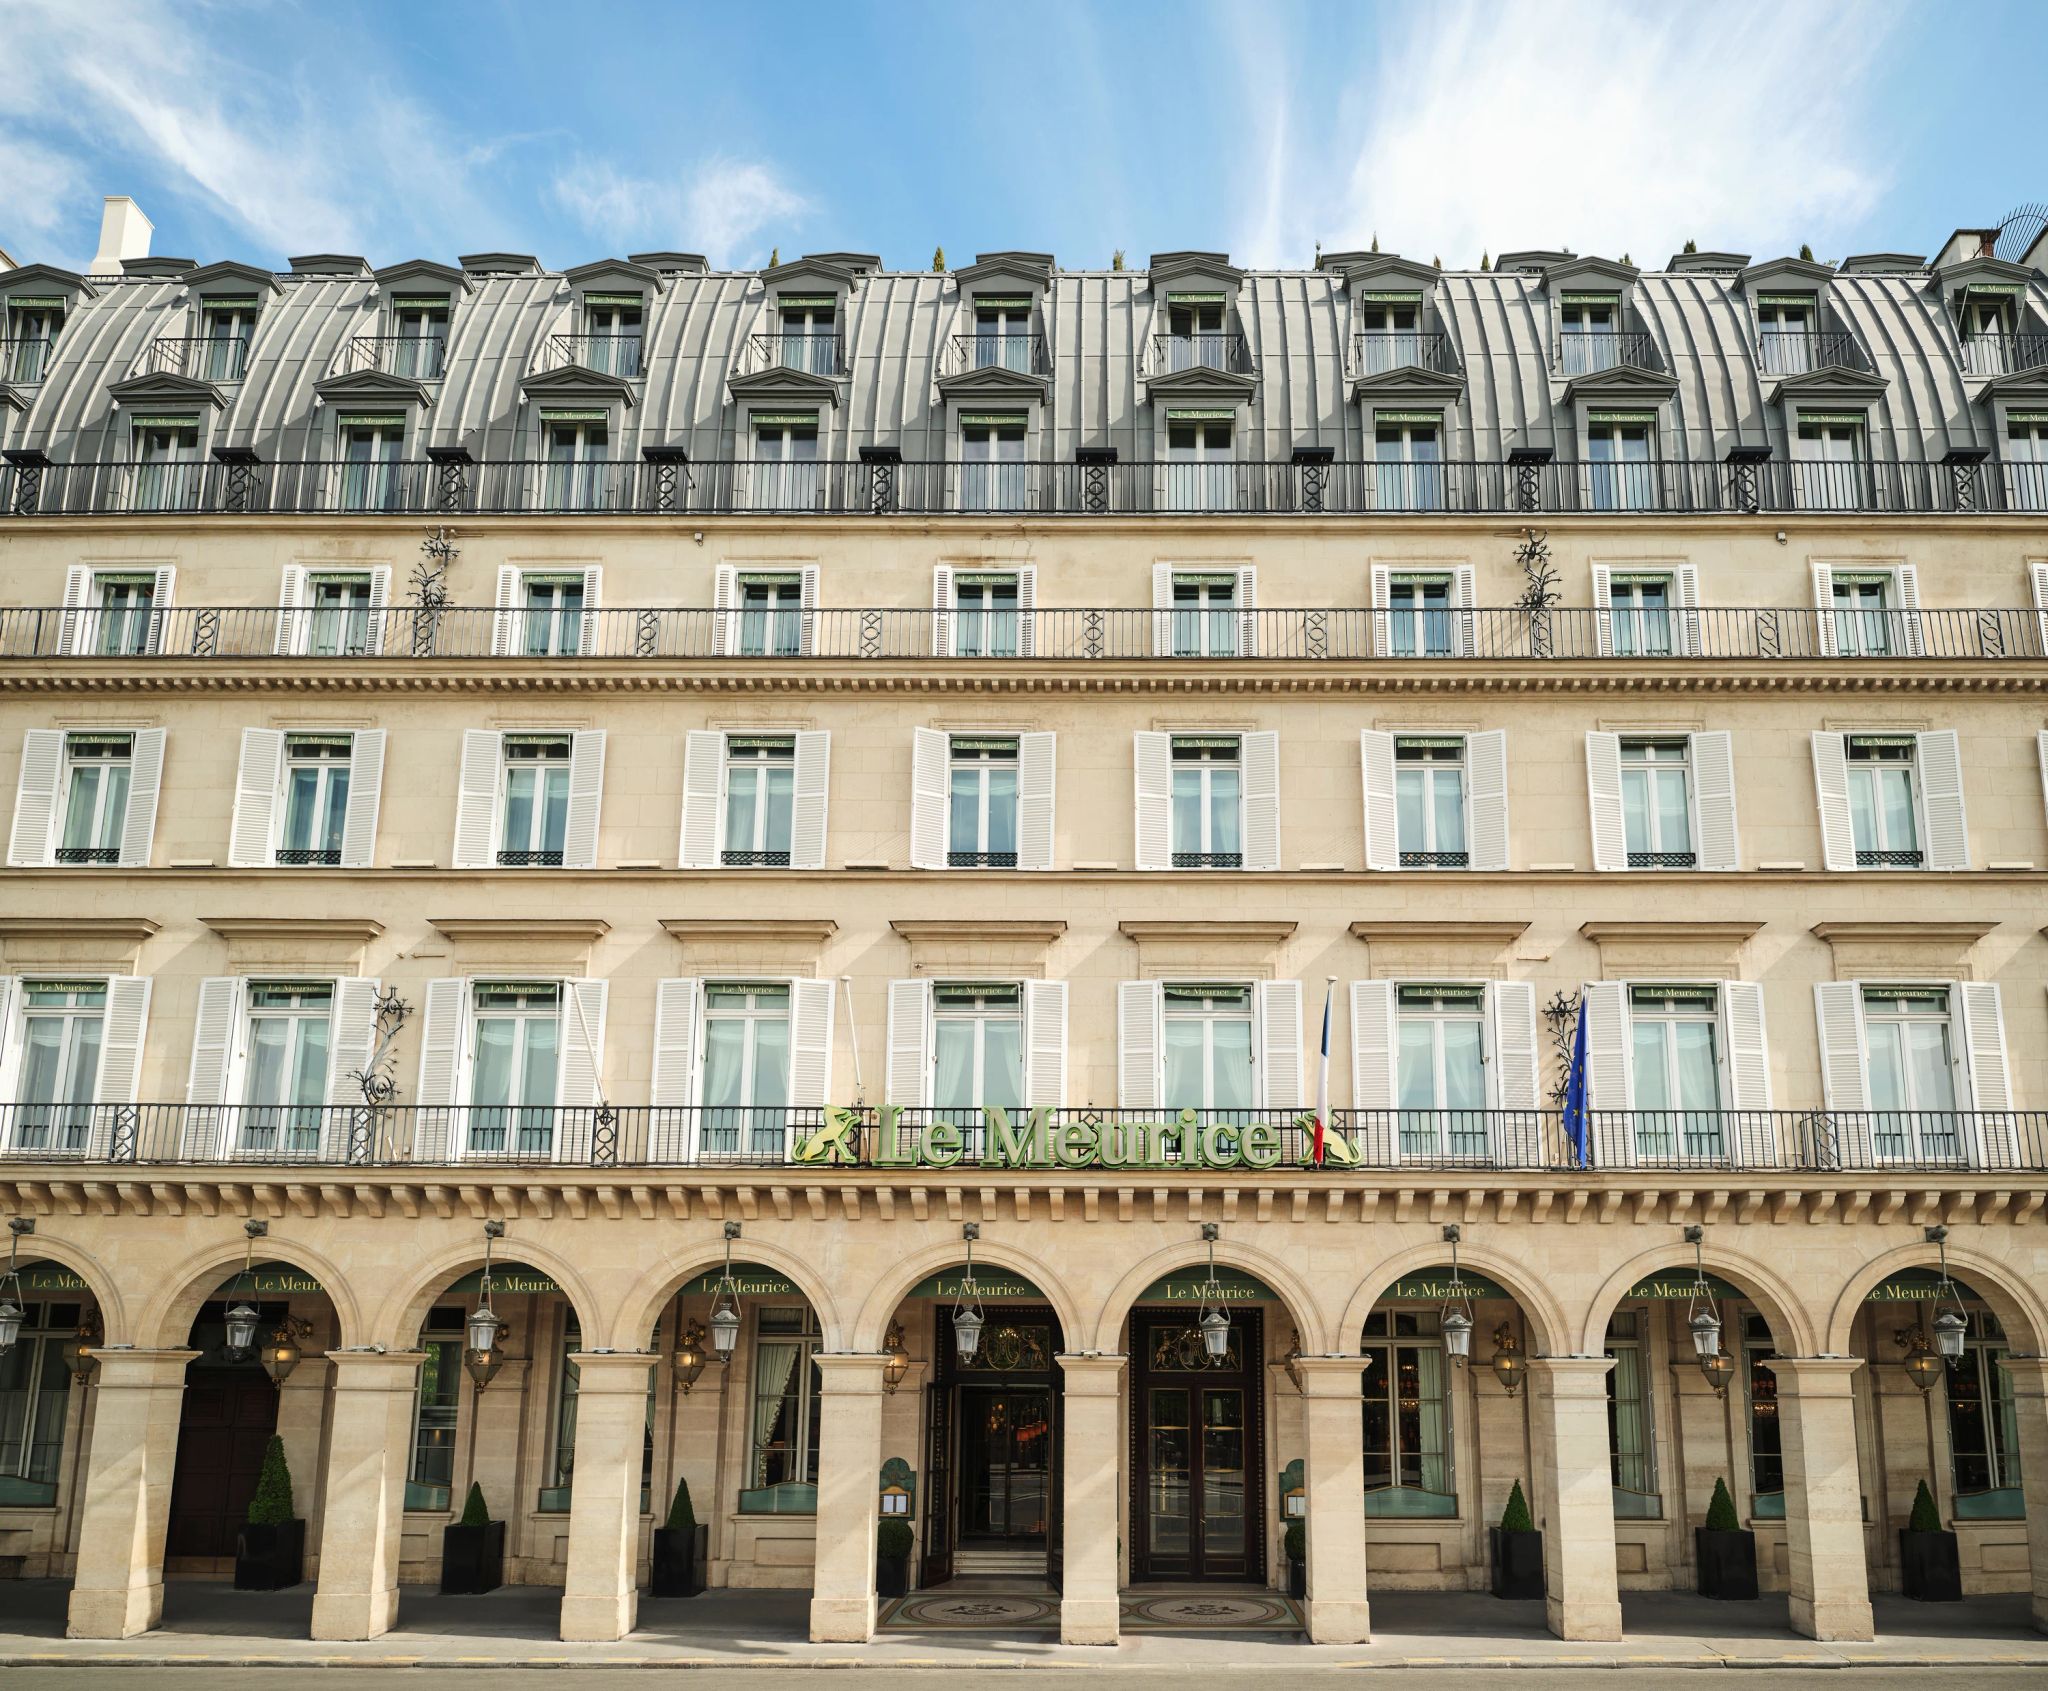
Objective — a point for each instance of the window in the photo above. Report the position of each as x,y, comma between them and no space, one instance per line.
1983,1426
785,469
611,334
1766,1437
97,773
431,1473
808,337
1987,334
1882,812
1205,615
371,448
771,615
62,1028
1419,616
578,474
760,783
1407,1416
285,1086
1862,614
337,616
992,471
556,1493
32,329
785,1399
125,614
2026,460
1784,334
1828,459
1408,471
1630,1447
1002,334
1195,338
35,1395
985,615
981,804
1589,340
516,1027
1620,448
1440,1073
1199,472
746,1069
536,800
1656,804
1210,1052
1208,802
1429,802
419,338
551,618
978,1049
1913,1047
225,326
167,468
1640,607
1675,1071
1387,326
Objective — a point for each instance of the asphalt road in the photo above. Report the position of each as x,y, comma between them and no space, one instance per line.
911,1679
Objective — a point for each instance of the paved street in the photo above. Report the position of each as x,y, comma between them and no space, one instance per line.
767,1678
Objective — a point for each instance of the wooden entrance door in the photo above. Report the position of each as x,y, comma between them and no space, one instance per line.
1198,1451
228,1418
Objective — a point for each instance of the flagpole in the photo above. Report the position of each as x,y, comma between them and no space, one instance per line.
1323,1078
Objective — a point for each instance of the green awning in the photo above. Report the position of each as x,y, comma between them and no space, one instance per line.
1185,1286
36,302
1677,1284
989,1282
228,302
1621,416
1834,417
1407,416
1994,287
1002,302
1225,415
575,416
379,420
423,302
752,1280
508,1279
806,302
993,419
785,419
1589,299
186,422
1784,299
1197,299
1433,1285
1912,1285
614,299
1389,297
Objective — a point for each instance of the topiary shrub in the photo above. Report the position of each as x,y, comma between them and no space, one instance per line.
272,1504
681,1516
892,1540
1721,1516
1925,1517
1516,1517
475,1513
1295,1540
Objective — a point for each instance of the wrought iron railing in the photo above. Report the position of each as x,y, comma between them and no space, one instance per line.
608,355
418,357
816,354
1377,351
2004,355
209,358
1582,352
1874,1142
1223,349
1792,352
24,358
1121,633
1025,353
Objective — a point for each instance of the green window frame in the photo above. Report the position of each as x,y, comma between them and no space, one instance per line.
437,1404
784,1401
35,1402
1631,1423
1766,1440
1983,1427
1410,1470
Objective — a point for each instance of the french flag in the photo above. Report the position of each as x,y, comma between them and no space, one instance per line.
1323,1076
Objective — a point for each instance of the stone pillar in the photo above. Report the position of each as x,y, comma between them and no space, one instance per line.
369,1447
1830,1585
1334,1439
1091,1489
849,1485
1575,1490
2029,1375
601,1594
118,1590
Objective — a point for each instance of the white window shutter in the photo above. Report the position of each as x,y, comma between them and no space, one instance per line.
1941,799
505,619
1261,834
216,1028
1247,612
587,623
33,838
1382,816
444,1032
1749,1051
1912,636
365,791
1838,1014
1603,789
1162,610
121,1039
1608,1083
1464,618
1831,782
2037,572
1140,1045
1516,1053
942,610
725,598
1280,1043
1372,1050
586,796
75,626
1486,772
1045,1044
810,1042
145,780
258,778
1603,610
1036,779
676,1007
930,755
1027,610
809,799
703,791
1824,606
910,1049
476,798
1152,755
807,601
1990,1072
351,1038
160,607
1685,582
291,595
581,1086
380,604
1713,777
1382,619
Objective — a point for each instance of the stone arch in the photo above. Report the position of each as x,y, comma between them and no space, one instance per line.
99,1280
167,1317
1548,1329
398,1318
1293,1292
2017,1305
871,1326
1791,1323
644,1301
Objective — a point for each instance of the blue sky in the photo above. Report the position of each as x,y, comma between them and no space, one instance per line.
577,130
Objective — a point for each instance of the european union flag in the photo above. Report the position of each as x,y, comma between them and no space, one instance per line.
1577,1125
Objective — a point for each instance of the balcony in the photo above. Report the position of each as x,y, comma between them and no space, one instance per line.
418,358
1584,352
1793,352
1025,354
1380,350
1223,350
24,358
2004,355
207,358
813,354
608,355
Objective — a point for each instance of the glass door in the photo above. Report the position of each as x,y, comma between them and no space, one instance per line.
1199,1496
1005,1466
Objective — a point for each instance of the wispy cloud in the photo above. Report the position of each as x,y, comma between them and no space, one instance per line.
719,209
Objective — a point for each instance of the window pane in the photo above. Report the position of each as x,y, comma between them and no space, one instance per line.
1183,1064
1464,1076
1002,810
1409,799
739,809
1698,1083
1934,1084
964,829
1652,1080
1224,789
1449,794
1232,1065
1415,1085
1674,817
781,786
538,1080
771,1062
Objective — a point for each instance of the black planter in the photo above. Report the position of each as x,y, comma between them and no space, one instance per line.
472,1558
270,1558
1727,1562
1297,1581
677,1569
892,1576
1932,1568
1517,1563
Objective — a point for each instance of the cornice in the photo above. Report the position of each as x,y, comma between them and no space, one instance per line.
351,930
1196,931
1670,932
1497,934
105,930
993,930
588,929
1880,933
813,930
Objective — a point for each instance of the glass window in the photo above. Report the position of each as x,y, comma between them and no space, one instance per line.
1440,1070
1983,1426
1862,608
978,1048
167,467
760,783
1621,476
431,1473
1407,1416
1002,336
35,1396
536,800
1640,614
611,343
1205,616
337,616
516,1028
1590,342
1210,1055
32,332
981,806
552,615
1766,1439
992,472
1387,329
316,777
985,616
1419,616
1199,472
809,337
568,1381
1882,812
1827,466
225,330
1785,344
787,1389
1208,803
1675,1071
1195,337
96,778
1656,804
370,454
61,1034
125,612
1630,1447
577,467
1408,473
785,470
1987,334
285,1078
771,616
420,344
1429,802
1909,1034
746,1069
2026,462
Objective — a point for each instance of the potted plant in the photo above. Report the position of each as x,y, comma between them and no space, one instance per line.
1517,1550
1927,1555
1726,1554
270,1550
473,1548
1295,1541
892,1559
677,1569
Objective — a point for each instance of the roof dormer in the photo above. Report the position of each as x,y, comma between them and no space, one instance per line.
670,265
1796,334
229,277
614,276
998,339
1398,347
1591,323
1706,263
500,264
422,276
817,273
1198,346
1986,299
330,267
46,281
1536,261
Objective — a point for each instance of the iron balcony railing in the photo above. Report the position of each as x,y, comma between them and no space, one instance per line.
24,358
1377,351
1026,354
1214,349
1712,634
209,358
2004,355
1582,352
816,354
454,486
421,358
1872,1142
608,355
1792,352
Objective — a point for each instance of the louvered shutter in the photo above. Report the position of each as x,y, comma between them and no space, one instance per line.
1036,775
145,780
444,1033
581,1083
1912,635
1603,789
1027,610
505,619
351,1038
1261,754
2037,572
810,1043
1382,621
365,790
586,796
1831,783
258,777
1382,816
1713,778
1990,1073
1749,1059
672,1091
1247,612
1940,757
1838,1015
725,594
588,623
1603,610
77,626
1826,641
1464,618
1140,1044
1686,589
910,1052
942,611
291,595
808,799
1280,1043
703,789
476,798
33,838
211,1083
122,1032
1486,771
1162,610
1517,1070
1152,756
1045,1036
160,603
1608,1083
930,757
1372,1067
380,603
807,600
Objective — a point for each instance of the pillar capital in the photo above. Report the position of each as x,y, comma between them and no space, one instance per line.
127,1369
1091,1375
1572,1376
850,1373
1329,1376
1815,1376
602,1371
375,1370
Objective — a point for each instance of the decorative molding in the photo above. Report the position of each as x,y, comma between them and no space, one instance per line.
75,942
1494,935
1006,946
587,929
1712,949
1864,949
1894,933
111,930
1020,931
1670,932
1196,932
302,943
810,930
356,930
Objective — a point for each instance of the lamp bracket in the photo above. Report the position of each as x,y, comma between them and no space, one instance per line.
732,1229
1453,1233
970,1230
1937,1235
1211,1231
1695,1235
494,1230
256,1229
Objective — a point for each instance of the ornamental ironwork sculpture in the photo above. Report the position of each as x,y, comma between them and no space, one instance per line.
430,589
1562,1013
1539,595
378,1077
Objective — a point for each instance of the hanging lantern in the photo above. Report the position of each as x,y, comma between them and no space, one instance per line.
1952,1324
1719,1370
1456,1320
898,1364
242,1323
690,1357
78,1351
282,1354
482,1359
967,1316
1509,1364
1922,1362
10,1287
725,1306
1214,1324
1701,1321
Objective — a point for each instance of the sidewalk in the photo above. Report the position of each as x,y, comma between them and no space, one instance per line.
213,1625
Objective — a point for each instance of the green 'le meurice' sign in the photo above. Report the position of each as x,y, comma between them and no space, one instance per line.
1034,1140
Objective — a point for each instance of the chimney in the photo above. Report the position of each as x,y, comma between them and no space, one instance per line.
124,233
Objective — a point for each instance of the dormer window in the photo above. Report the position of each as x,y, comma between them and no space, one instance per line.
167,471
1195,339
1785,334
1408,470
370,450
578,444
1200,474
32,329
610,342
807,333
225,327
2026,460
1987,329
992,470
419,336
1621,470
1389,332
785,468
1590,336
1828,461
1002,332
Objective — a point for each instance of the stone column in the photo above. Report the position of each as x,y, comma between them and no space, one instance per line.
1575,1491
2029,1375
118,1590
1334,1438
601,1594
849,1484
1830,1584
369,1447
1091,1490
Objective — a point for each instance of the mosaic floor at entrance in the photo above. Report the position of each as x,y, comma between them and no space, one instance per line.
951,1609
